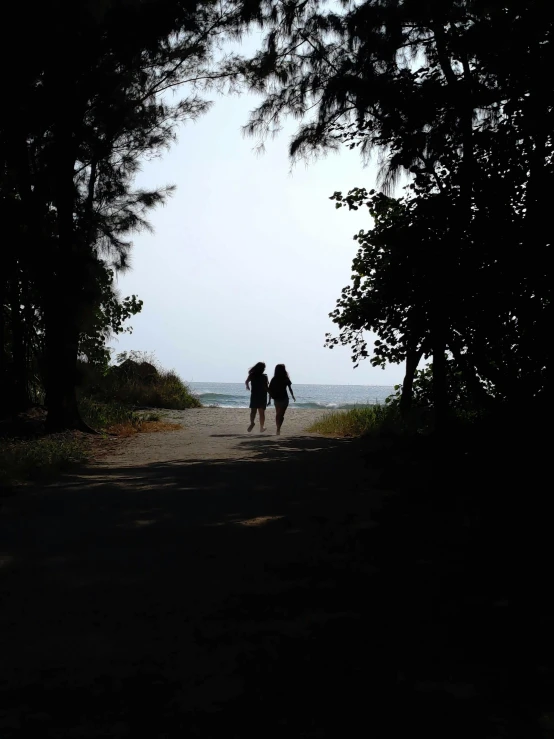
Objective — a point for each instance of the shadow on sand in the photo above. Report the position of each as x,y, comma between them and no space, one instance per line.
253,597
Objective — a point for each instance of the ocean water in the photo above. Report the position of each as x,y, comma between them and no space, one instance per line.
235,395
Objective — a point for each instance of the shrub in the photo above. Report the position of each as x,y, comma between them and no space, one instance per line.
461,397
104,416
137,384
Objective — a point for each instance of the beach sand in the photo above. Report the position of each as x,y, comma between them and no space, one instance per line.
214,433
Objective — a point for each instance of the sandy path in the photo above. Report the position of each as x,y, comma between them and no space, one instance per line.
212,433
168,590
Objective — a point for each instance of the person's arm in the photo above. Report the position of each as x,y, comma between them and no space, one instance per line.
247,383
268,393
291,392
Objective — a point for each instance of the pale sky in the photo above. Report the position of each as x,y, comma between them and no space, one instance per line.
247,258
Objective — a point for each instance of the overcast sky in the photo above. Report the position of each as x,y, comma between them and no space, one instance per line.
248,257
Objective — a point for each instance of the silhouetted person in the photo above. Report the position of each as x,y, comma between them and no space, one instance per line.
258,395
279,388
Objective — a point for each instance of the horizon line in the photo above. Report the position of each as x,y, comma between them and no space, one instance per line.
346,384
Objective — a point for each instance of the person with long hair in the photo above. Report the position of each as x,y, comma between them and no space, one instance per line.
279,388
259,396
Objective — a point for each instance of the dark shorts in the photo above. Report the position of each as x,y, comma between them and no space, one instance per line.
258,401
281,403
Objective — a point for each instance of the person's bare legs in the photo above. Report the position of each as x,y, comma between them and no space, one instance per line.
279,417
252,418
261,411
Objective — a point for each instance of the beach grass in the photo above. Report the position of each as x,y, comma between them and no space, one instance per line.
158,389
165,390
104,415
361,421
121,420
40,459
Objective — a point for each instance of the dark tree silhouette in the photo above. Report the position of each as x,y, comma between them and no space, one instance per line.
88,102
449,93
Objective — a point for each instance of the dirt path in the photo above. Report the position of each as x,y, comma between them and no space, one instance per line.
203,582
213,583
213,434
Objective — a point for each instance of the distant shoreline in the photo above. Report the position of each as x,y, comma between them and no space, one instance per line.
310,397
293,406
296,384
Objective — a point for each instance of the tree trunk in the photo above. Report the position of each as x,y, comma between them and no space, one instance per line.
440,394
61,400
413,358
20,397
63,306
3,362
62,341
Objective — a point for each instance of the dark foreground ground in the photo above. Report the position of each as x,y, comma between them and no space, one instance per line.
315,588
